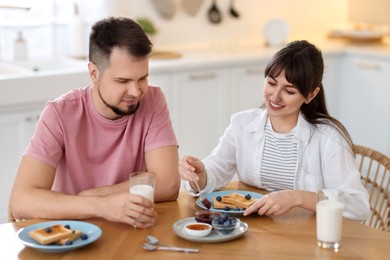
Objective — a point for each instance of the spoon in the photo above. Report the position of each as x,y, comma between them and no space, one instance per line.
203,200
232,10
153,240
214,13
170,248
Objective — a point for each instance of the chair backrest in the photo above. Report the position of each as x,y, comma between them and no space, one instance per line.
375,169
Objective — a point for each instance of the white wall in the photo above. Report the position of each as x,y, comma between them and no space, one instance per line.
376,13
304,17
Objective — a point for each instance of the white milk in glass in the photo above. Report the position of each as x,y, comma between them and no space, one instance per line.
144,190
329,220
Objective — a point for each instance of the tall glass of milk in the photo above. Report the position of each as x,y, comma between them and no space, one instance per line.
330,205
142,183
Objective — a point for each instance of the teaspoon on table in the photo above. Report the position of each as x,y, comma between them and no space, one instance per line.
170,248
153,240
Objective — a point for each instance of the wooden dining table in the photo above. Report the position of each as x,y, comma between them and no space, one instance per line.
290,236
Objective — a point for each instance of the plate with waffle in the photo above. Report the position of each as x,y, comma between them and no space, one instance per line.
59,236
230,201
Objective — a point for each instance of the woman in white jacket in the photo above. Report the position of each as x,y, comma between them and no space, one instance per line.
290,146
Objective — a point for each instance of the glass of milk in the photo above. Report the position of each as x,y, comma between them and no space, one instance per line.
330,205
142,183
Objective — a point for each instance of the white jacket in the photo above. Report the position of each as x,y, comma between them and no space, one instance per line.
324,160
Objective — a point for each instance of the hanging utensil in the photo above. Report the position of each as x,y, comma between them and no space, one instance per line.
214,14
166,8
191,6
233,12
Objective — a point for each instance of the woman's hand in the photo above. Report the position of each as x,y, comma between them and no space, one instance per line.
192,169
275,203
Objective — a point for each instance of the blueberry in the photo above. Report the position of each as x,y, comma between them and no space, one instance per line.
226,208
248,196
225,216
67,226
84,237
68,242
48,230
237,209
218,198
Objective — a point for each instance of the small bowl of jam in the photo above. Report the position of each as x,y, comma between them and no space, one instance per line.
198,229
206,216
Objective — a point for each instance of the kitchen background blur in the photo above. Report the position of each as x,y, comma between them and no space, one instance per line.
207,70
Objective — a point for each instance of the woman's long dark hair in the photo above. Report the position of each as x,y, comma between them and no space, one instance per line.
303,67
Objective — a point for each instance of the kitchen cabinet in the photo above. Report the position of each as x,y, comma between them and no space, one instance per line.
16,128
201,108
365,100
202,101
247,86
164,81
331,83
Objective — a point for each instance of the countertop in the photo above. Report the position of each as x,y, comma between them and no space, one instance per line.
50,83
259,52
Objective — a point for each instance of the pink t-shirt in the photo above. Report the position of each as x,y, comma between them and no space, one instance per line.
90,151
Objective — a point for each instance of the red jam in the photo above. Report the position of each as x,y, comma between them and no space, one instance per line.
198,227
206,216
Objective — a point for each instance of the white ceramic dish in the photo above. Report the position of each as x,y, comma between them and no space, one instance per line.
91,230
198,229
360,32
364,34
276,32
213,237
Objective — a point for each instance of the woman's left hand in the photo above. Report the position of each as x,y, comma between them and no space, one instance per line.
275,203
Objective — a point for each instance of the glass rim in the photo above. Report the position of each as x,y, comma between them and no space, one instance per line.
141,174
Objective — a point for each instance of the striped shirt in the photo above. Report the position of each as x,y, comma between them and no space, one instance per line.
279,160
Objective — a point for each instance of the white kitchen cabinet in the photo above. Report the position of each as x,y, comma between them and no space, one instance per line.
365,101
16,129
201,104
247,86
164,81
331,83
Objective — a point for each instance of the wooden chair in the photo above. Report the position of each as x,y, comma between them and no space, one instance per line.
375,169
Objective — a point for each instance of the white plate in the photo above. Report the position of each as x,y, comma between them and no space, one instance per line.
222,193
91,230
276,32
360,32
363,34
213,237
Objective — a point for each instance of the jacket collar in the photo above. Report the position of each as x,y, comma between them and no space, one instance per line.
303,130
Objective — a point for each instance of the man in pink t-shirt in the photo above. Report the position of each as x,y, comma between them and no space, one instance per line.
88,140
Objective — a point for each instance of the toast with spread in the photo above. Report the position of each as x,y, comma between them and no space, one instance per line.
233,201
69,240
220,205
50,234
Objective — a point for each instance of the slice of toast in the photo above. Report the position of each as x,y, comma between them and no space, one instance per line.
75,235
221,205
57,232
238,200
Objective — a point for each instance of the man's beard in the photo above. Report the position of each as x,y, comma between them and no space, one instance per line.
130,109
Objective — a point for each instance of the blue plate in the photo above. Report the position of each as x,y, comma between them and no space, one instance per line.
211,195
91,230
